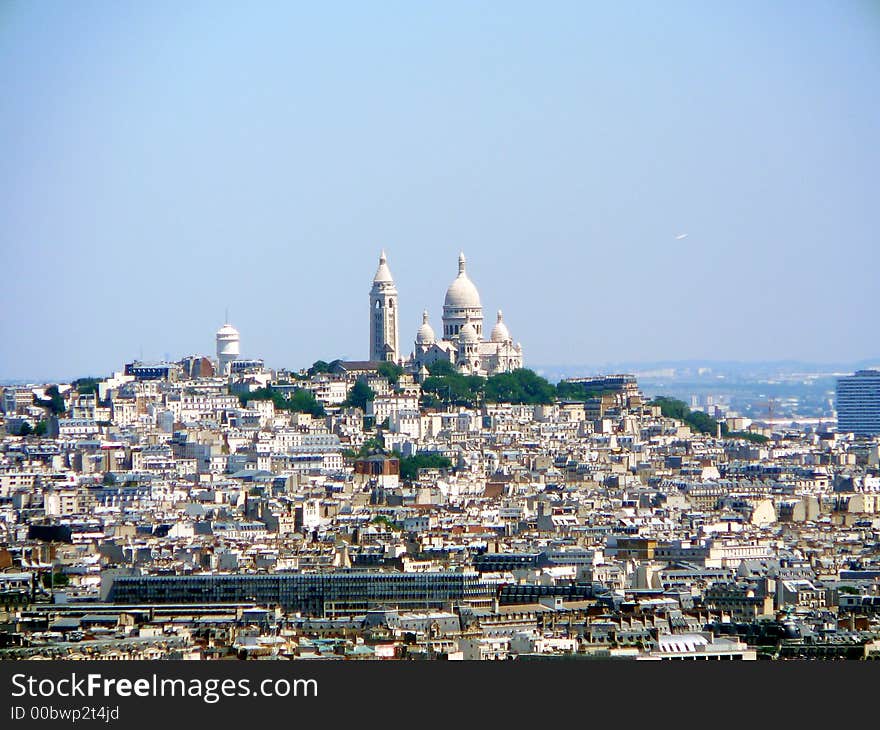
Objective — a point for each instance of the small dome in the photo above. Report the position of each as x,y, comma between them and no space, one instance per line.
500,333
227,330
425,335
462,294
383,273
468,334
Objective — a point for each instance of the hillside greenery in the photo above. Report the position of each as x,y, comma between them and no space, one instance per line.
755,438
697,420
358,396
446,386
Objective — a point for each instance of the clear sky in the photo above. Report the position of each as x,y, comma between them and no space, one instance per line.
162,161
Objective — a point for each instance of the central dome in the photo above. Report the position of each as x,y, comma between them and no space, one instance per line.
462,294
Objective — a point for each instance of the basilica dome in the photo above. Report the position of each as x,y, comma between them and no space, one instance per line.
462,294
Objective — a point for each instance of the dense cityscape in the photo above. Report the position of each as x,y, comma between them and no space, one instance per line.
435,502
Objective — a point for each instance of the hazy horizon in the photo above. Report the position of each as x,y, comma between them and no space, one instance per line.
549,370
630,183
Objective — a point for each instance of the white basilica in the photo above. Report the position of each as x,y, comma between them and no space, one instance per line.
462,344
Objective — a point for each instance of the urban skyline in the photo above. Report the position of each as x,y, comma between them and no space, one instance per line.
445,506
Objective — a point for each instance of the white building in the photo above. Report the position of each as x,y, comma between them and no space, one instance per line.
383,315
228,345
462,344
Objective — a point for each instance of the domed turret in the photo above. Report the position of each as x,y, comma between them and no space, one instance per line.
500,333
425,335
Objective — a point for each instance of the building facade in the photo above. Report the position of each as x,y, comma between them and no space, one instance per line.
858,403
317,594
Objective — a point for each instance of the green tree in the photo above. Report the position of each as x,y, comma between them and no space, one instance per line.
755,438
42,428
25,429
390,370
519,386
453,389
385,522
697,420
671,407
359,394
86,386
574,391
60,580
442,367
319,366
304,401
702,422
371,447
410,465
55,401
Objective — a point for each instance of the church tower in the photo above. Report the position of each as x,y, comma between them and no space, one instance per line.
383,315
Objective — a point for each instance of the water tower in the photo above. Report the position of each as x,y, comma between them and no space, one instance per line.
227,347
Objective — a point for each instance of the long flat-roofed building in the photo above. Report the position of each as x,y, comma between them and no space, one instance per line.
317,594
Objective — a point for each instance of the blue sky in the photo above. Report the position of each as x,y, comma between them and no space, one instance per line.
160,162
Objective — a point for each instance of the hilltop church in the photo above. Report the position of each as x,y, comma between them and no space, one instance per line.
462,344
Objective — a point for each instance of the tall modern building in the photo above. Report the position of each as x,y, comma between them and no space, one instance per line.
858,403
383,315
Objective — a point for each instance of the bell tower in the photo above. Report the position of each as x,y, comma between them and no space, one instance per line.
383,315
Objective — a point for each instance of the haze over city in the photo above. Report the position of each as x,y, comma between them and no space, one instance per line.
630,182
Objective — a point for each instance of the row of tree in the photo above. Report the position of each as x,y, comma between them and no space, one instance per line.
446,386
697,420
